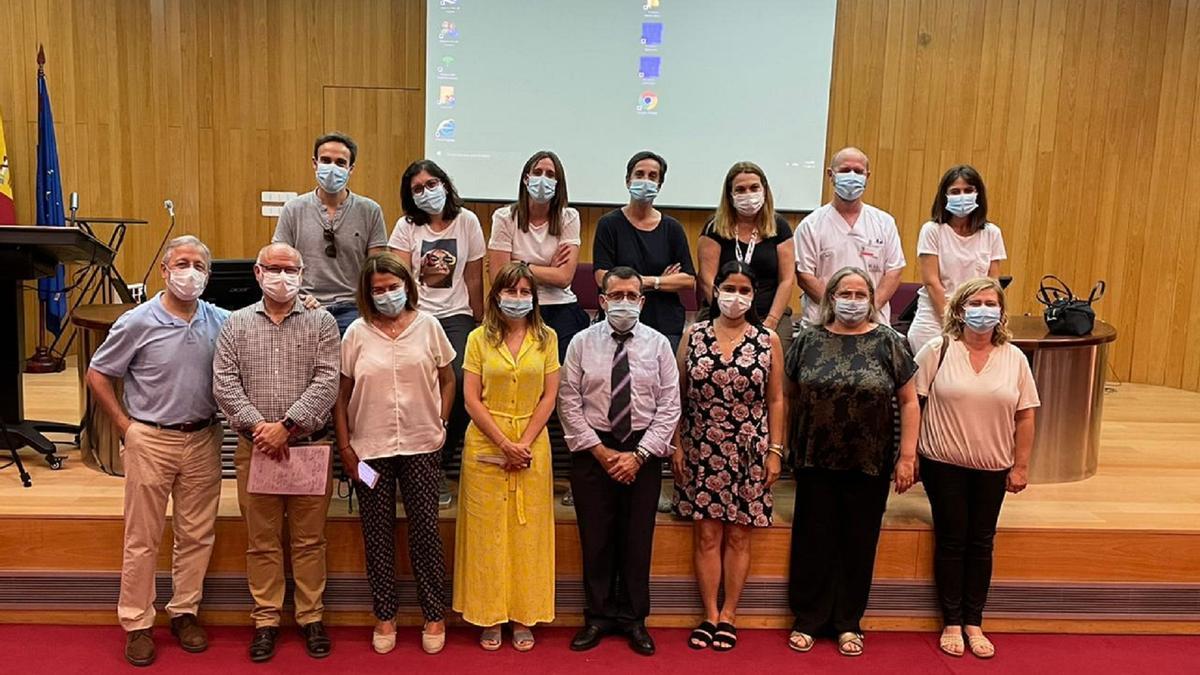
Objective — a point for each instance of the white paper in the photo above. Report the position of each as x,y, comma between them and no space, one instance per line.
304,472
367,475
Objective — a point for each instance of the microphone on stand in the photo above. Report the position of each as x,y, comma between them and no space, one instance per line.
170,207
74,206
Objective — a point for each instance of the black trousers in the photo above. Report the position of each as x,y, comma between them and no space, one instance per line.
616,533
966,505
566,320
418,477
835,530
457,328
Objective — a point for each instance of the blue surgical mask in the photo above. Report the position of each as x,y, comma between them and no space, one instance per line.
541,188
849,185
332,178
516,308
431,201
623,315
961,205
391,303
851,312
643,190
981,319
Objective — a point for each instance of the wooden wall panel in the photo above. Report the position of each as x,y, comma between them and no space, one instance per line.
1081,114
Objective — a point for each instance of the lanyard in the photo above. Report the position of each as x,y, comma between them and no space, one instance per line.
737,247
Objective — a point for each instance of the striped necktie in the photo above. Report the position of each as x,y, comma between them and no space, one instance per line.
620,406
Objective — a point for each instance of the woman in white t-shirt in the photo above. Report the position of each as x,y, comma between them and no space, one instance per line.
543,232
442,243
975,441
957,244
397,387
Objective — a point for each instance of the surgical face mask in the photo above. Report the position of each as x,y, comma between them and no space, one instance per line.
981,319
643,190
748,203
516,308
851,312
391,303
280,286
187,284
431,201
332,178
623,315
733,305
849,185
541,188
961,205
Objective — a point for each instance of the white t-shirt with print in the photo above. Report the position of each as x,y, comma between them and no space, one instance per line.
439,260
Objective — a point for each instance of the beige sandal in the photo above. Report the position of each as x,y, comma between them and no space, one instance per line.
383,643
981,647
850,644
432,644
951,643
522,639
800,642
491,638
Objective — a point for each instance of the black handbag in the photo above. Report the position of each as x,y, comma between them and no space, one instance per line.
1066,314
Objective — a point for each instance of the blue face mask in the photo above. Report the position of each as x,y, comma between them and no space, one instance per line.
516,308
643,190
332,178
541,188
391,303
961,205
431,201
849,185
981,319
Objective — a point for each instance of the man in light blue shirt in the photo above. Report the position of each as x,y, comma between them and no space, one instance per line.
163,353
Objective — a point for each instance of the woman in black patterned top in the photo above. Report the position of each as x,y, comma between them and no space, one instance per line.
843,376
729,444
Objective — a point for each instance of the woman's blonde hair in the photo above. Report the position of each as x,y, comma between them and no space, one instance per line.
725,222
955,320
494,324
828,302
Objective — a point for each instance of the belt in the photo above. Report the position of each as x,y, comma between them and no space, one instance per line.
186,427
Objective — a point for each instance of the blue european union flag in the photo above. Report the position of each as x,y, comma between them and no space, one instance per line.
51,290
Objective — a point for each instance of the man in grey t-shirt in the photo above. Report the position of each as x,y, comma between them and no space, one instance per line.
334,229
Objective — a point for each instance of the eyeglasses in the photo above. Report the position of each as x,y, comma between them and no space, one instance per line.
628,296
330,247
276,269
431,184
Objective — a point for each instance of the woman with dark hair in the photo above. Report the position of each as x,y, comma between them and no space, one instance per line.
540,230
650,242
729,444
442,243
504,547
397,387
958,243
976,438
747,229
845,375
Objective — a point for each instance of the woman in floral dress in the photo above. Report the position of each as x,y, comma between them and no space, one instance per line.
728,450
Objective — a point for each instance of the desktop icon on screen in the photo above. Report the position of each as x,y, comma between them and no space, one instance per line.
444,130
652,33
647,101
449,31
648,67
446,96
648,5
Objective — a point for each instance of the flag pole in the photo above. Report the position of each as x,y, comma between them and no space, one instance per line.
43,360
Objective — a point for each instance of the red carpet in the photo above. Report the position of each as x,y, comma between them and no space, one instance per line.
97,649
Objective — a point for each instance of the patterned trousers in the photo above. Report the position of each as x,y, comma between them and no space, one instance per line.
419,477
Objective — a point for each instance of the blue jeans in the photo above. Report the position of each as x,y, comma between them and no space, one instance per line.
345,313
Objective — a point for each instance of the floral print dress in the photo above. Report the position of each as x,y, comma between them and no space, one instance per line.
725,434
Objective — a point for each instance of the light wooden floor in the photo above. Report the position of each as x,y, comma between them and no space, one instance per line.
1149,475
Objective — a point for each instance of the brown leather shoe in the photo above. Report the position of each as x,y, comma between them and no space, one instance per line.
139,647
191,635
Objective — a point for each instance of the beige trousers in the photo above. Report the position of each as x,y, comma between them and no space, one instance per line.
185,467
265,517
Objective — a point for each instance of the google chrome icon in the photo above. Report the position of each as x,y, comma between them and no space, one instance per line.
648,101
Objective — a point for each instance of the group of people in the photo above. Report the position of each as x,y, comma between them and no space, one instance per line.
388,349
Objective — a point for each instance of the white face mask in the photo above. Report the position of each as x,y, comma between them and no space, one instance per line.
431,201
187,284
280,286
748,203
623,315
733,305
541,188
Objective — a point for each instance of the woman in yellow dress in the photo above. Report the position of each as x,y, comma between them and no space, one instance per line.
504,545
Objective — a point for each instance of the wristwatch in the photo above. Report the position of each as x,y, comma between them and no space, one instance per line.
289,425
642,455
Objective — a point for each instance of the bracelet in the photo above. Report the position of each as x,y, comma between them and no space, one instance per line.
776,450
344,449
657,281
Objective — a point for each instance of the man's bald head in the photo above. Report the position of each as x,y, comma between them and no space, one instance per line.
279,255
849,155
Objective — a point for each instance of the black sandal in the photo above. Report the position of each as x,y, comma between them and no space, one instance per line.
703,634
725,638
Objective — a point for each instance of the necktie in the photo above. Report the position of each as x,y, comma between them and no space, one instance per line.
620,406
